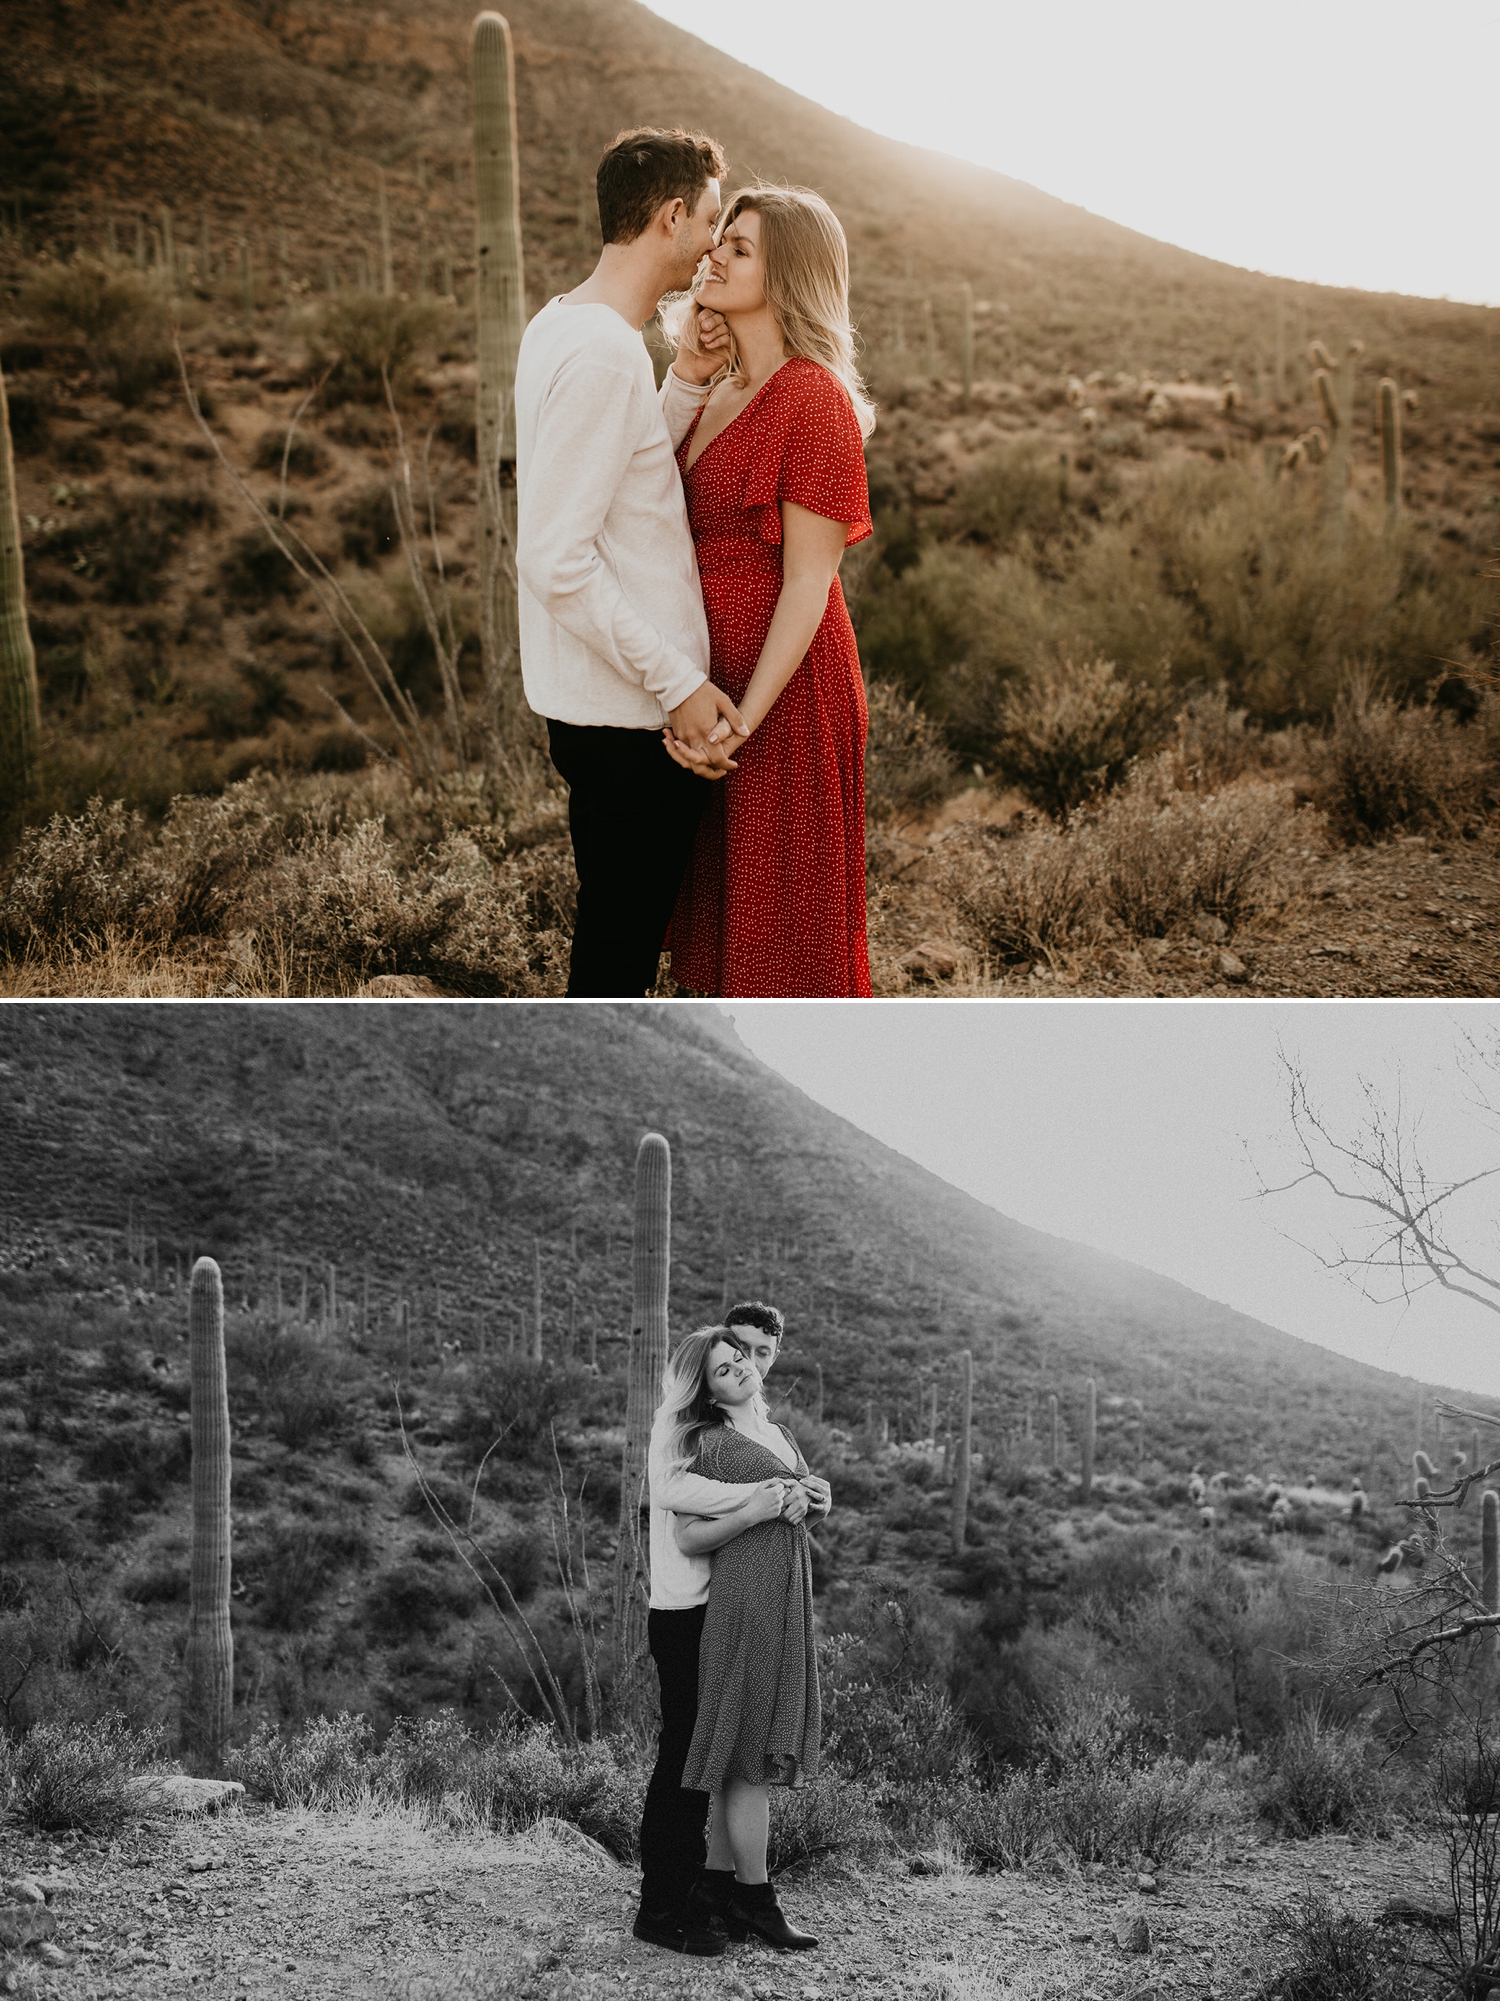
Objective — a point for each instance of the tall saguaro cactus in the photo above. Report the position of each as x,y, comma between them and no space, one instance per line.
209,1659
1335,386
497,185
1090,1415
18,697
963,1454
1390,448
650,1273
1489,1576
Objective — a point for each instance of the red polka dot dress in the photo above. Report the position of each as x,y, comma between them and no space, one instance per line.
773,904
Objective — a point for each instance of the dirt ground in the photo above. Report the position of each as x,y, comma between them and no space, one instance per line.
301,1906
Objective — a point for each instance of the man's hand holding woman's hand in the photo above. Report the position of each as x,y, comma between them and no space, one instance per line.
702,730
819,1494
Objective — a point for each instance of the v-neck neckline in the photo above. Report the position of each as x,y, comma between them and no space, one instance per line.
691,465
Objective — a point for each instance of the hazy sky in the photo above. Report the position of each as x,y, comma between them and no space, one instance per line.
1125,1125
1318,139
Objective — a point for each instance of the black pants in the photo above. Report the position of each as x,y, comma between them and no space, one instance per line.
632,813
674,1845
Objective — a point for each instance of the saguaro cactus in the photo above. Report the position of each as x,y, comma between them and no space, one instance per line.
1390,447
1090,1413
1335,386
499,298
18,696
650,1271
1489,1546
209,1659
963,1453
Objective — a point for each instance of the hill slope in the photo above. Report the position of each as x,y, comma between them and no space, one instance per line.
440,1154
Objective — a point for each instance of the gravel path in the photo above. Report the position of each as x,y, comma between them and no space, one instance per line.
258,1904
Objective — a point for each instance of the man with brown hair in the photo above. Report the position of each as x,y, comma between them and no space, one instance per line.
614,644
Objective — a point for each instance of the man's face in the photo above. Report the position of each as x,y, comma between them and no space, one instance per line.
695,232
761,1347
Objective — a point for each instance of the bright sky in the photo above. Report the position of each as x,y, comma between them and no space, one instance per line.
1317,139
1125,1125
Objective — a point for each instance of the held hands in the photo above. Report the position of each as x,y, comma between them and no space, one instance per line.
819,1494
778,1500
702,731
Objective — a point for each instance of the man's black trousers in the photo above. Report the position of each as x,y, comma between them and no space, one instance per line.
673,1842
632,813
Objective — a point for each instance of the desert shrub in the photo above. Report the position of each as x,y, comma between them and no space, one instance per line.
1381,769
291,1379
411,1599
885,1729
1006,1825
325,1765
908,764
1073,729
73,1775
1212,742
306,458
359,334
120,317
29,406
1321,1776
423,1761
255,571
142,1463
295,1562
519,1560
1333,1955
519,1400
164,1580
526,1775
832,1816
1014,490
1019,894
452,1496
368,523
140,533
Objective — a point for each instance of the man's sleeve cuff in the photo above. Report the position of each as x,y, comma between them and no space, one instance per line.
689,681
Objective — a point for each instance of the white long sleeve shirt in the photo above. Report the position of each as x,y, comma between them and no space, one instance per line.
680,1581
611,613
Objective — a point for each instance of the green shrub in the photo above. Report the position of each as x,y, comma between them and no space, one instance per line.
525,1775
323,1766
516,1399
73,1775
368,521
359,334
140,534
1015,490
294,1563
1333,1955
1073,730
1321,1777
831,1816
1020,893
305,460
908,765
255,571
144,1464
1007,1825
883,1729
411,1599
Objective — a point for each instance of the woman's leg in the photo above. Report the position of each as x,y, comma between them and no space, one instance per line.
746,1816
720,1854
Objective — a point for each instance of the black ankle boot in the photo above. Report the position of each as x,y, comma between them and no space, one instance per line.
709,1902
754,1906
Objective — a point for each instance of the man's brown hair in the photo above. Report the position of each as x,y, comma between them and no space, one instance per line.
642,169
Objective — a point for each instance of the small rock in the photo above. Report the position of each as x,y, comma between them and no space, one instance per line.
1212,930
53,1887
931,960
1138,1936
24,1924
198,1865
1228,967
174,1792
23,1890
400,986
51,1955
1147,1885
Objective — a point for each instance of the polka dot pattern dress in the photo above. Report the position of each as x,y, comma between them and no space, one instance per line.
773,904
759,1714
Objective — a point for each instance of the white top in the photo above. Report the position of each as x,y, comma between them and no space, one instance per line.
679,1581
611,614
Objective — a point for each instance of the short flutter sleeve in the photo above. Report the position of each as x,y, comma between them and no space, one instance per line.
808,450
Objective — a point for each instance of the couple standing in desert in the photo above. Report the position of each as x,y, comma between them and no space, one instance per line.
731,1632
683,630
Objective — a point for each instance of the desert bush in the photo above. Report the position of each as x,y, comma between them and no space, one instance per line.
884,1729
1019,894
1006,1825
411,1599
525,1775
1074,729
306,458
140,533
360,333
1017,489
832,1816
516,1399
1381,769
254,571
143,1464
908,765
1333,1955
325,1765
73,1775
368,522
1321,1776
294,1562
120,317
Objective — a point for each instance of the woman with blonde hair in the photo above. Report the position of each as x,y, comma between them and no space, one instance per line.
769,416
758,1713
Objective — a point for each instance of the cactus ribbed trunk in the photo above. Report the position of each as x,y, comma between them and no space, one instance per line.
1390,448
1090,1412
536,1299
1335,386
18,692
963,1454
209,1660
650,1272
1489,1543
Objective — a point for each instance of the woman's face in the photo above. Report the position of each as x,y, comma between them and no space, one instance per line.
730,1376
736,276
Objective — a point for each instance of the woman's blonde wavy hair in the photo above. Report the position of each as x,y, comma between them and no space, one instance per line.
686,1409
806,260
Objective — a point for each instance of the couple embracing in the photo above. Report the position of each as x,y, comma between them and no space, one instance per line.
683,629
731,1632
